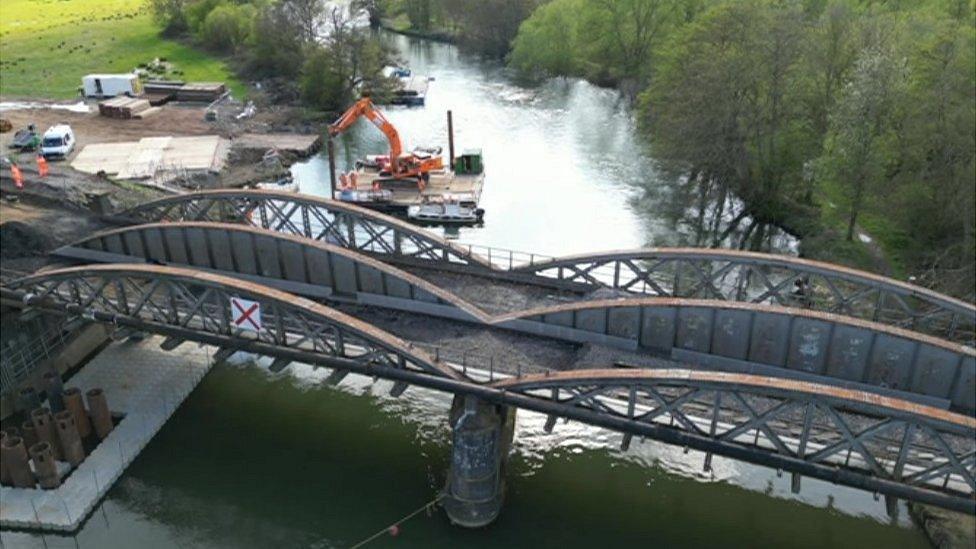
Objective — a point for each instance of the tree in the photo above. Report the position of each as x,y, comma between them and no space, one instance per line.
546,44
860,128
489,26
607,41
349,61
227,26
170,14
722,105
935,175
276,48
307,16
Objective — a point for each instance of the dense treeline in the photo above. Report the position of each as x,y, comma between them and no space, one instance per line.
483,26
825,116
311,50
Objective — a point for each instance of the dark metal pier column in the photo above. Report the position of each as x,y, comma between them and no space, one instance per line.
481,438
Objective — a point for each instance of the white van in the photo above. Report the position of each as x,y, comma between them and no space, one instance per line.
58,140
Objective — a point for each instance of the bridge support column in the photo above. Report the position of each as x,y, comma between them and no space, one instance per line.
481,438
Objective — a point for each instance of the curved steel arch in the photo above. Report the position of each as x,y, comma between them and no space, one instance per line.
731,275
333,221
190,304
777,340
726,275
285,261
853,437
716,334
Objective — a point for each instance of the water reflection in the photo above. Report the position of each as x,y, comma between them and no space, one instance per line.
566,169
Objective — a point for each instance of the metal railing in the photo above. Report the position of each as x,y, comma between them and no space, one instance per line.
17,362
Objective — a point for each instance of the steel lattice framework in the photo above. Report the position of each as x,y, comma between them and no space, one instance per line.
856,438
730,275
186,304
333,221
819,430
726,275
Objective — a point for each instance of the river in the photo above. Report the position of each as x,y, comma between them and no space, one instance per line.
255,459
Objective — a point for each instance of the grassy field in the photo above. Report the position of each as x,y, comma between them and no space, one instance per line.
46,46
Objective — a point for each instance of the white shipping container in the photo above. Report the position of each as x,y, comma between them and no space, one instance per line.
110,85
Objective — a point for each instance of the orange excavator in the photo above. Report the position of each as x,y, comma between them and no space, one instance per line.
399,165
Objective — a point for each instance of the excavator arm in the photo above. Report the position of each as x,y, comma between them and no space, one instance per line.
365,107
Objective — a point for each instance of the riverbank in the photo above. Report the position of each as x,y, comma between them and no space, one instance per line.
401,25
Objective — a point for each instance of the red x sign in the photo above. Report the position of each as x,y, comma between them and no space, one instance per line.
246,314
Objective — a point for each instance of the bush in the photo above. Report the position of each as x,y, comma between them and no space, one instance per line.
227,26
322,86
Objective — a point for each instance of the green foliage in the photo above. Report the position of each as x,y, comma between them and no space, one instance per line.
322,85
350,61
227,26
866,109
723,104
274,46
171,15
606,42
861,128
546,44
486,27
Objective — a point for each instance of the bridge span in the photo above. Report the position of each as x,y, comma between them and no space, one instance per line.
731,335
806,367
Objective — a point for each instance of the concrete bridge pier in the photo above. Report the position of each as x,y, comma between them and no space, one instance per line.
481,439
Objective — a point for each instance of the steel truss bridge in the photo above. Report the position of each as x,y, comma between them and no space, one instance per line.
858,380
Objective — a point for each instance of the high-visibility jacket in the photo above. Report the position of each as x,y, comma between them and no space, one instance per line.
41,165
18,176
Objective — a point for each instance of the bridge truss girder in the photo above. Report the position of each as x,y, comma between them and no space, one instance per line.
848,437
331,221
730,275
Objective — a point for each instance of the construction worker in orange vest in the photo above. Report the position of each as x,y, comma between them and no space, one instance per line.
18,176
41,165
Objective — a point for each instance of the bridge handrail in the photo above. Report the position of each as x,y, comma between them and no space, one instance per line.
758,258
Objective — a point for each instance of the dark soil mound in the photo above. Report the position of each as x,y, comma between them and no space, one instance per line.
21,240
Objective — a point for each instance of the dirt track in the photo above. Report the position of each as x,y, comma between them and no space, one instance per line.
92,128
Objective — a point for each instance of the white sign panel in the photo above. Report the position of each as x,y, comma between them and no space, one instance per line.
245,314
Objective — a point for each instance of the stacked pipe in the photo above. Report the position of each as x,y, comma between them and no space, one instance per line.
47,439
44,427
46,468
74,404
14,455
100,414
64,423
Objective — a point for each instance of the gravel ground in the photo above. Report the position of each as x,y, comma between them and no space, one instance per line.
500,297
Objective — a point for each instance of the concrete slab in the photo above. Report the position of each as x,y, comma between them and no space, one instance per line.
144,383
154,157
